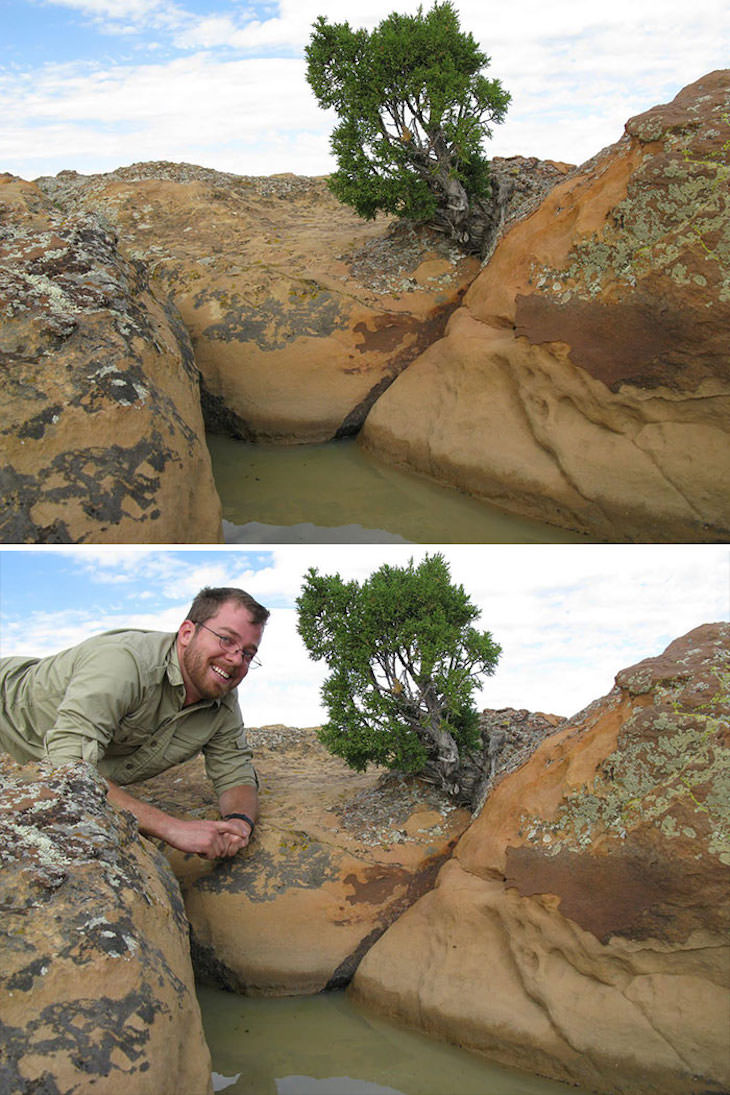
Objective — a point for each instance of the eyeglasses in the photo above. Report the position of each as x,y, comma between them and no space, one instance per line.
231,647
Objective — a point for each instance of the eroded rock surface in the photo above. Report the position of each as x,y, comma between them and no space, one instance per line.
509,738
336,857
586,380
102,432
300,313
581,929
96,985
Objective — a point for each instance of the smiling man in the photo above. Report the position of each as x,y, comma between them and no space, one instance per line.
135,703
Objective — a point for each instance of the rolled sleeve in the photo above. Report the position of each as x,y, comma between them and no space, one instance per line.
104,685
229,760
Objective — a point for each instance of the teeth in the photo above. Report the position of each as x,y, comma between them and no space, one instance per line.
221,673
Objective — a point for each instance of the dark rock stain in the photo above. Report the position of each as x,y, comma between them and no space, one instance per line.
622,342
384,334
271,325
263,876
89,1032
102,480
35,427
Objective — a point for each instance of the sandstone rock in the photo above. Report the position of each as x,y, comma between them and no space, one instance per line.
102,430
581,928
585,380
519,184
96,986
300,312
336,857
509,738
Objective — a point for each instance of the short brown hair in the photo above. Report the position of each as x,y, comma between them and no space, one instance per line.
210,600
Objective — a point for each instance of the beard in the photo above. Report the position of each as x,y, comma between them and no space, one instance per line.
209,684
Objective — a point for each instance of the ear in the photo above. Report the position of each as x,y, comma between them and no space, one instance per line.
185,633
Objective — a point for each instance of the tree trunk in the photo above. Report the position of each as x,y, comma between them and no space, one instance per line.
472,223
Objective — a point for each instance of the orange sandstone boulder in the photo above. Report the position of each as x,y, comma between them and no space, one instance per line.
582,928
586,380
96,985
300,313
336,857
102,432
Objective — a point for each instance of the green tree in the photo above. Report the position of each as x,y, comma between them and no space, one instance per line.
404,660
414,108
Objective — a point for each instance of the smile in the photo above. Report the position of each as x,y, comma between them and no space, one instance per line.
221,672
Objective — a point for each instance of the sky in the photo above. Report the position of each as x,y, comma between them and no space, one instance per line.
568,617
92,85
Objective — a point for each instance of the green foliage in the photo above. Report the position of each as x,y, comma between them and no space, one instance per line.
414,109
404,660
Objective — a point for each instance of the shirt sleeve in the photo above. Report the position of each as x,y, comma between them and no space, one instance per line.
229,757
104,685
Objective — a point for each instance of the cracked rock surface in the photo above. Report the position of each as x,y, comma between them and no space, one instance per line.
336,857
300,313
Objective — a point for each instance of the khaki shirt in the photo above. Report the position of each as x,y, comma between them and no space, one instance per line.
116,700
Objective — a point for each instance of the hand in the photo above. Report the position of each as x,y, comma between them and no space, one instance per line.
242,837
210,839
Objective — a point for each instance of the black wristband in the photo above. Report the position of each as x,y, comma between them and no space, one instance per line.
243,817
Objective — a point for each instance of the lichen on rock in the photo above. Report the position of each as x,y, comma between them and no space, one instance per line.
103,434
584,382
581,928
96,985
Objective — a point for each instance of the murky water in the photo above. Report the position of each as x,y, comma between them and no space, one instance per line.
336,493
324,1045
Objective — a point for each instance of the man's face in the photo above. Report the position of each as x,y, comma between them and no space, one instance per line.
208,670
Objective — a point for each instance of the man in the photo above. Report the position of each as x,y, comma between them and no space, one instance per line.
135,703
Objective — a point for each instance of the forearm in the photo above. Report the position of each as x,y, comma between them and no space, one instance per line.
240,800
212,839
151,820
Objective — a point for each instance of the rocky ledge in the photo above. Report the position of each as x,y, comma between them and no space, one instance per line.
582,928
96,984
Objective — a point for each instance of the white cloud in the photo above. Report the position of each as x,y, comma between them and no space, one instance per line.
217,30
239,101
194,109
129,17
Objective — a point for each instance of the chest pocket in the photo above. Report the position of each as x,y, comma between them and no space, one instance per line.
187,737
137,728
152,748
130,735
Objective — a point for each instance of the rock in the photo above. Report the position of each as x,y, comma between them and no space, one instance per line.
519,184
336,857
585,381
509,738
300,312
96,985
102,430
581,929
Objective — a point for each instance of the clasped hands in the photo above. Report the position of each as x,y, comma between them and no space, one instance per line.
211,839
